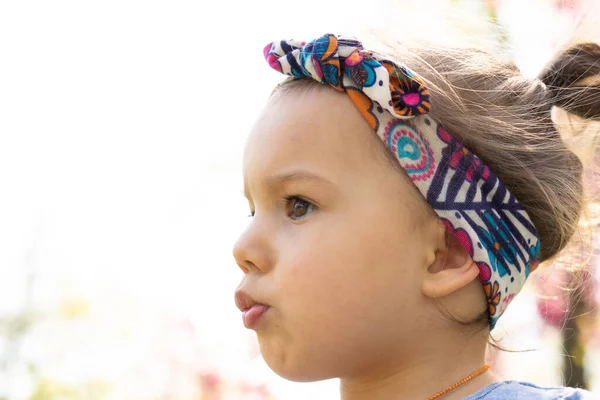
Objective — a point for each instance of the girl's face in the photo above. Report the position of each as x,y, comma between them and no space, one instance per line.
338,244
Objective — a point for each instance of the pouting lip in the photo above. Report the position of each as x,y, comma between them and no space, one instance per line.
244,302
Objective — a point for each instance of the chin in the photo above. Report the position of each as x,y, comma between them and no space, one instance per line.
299,374
291,368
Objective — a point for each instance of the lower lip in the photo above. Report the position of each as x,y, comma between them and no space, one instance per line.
253,315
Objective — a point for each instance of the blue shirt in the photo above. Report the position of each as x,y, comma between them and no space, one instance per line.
526,391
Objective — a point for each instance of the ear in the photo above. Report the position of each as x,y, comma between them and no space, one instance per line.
452,269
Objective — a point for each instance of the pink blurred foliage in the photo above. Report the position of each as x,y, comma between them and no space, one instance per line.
552,303
193,369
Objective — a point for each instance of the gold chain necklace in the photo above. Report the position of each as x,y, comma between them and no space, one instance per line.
461,382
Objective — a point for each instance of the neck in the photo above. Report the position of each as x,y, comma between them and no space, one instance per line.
433,369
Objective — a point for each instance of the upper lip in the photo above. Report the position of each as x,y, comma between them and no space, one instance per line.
243,301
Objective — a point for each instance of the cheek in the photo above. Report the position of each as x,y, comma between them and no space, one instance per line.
367,265
342,295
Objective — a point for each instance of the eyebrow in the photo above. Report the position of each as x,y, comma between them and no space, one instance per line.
279,180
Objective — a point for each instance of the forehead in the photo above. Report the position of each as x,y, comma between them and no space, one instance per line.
317,129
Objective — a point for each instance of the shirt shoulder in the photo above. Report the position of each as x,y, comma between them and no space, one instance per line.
527,391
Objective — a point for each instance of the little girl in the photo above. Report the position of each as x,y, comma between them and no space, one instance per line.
399,204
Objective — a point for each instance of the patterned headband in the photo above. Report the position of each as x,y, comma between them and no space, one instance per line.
473,204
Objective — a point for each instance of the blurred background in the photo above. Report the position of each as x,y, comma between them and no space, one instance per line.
122,125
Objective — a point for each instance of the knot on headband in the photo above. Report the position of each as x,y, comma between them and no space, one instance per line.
475,206
329,59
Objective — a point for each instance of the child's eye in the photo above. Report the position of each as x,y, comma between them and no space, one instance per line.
298,208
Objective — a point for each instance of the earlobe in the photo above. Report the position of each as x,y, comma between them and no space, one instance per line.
442,283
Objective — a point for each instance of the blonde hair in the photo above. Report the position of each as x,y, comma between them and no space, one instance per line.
506,119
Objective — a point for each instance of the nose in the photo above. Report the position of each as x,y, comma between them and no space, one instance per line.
251,251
